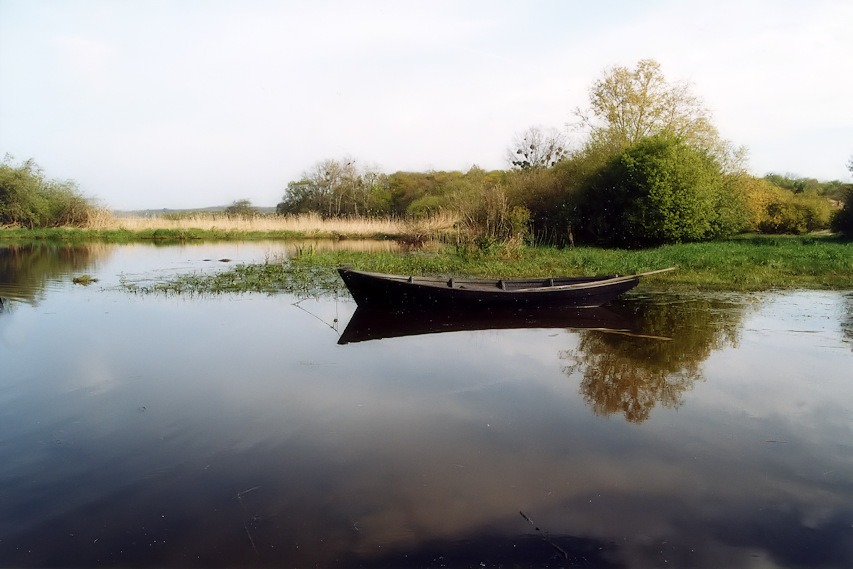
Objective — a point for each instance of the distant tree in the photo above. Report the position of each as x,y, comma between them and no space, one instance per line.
242,208
337,187
628,105
535,148
808,186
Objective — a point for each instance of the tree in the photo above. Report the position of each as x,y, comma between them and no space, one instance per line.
659,190
337,187
627,105
535,148
241,208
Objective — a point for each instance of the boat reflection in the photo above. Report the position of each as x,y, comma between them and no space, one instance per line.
376,324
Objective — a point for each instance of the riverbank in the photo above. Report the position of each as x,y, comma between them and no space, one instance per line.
748,264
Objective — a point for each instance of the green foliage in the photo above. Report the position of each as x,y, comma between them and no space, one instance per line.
659,190
334,188
834,189
418,194
796,214
29,200
628,105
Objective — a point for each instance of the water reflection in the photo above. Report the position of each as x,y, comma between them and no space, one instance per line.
26,269
29,270
633,355
233,431
847,320
629,374
377,324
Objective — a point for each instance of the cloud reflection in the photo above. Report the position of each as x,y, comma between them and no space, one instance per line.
236,431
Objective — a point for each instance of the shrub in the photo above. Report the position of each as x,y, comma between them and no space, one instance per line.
795,214
29,200
658,190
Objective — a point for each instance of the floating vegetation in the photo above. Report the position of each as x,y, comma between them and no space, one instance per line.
85,280
271,277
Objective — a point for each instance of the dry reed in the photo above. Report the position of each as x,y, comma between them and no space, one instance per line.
304,224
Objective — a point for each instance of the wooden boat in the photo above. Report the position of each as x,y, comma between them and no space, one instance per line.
382,290
382,323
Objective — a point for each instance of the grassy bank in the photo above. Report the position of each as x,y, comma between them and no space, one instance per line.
745,264
759,263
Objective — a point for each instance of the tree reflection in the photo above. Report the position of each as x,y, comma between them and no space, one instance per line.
25,268
631,373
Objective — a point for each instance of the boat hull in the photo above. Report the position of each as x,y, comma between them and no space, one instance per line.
377,290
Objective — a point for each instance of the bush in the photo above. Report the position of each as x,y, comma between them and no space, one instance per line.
29,200
795,214
658,190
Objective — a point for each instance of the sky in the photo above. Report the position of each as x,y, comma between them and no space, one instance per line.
151,104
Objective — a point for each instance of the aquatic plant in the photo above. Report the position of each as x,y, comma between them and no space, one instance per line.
84,280
270,277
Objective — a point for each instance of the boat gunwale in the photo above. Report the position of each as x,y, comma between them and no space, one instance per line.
494,285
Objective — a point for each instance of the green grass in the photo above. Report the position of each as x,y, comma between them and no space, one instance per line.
745,264
751,264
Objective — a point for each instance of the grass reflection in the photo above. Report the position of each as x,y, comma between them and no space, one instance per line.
631,374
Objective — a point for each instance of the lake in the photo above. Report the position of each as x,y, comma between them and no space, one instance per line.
704,430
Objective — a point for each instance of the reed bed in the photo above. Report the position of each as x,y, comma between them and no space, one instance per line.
307,225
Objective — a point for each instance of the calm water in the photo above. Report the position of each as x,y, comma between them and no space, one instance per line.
267,430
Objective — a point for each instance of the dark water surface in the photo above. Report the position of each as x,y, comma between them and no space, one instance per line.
693,431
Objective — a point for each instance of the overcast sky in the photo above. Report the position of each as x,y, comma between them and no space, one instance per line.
174,104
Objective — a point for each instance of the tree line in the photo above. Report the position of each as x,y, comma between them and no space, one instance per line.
653,169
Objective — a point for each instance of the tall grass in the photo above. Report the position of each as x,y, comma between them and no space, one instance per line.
307,225
104,226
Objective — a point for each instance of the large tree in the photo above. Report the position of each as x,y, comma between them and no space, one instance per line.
627,105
